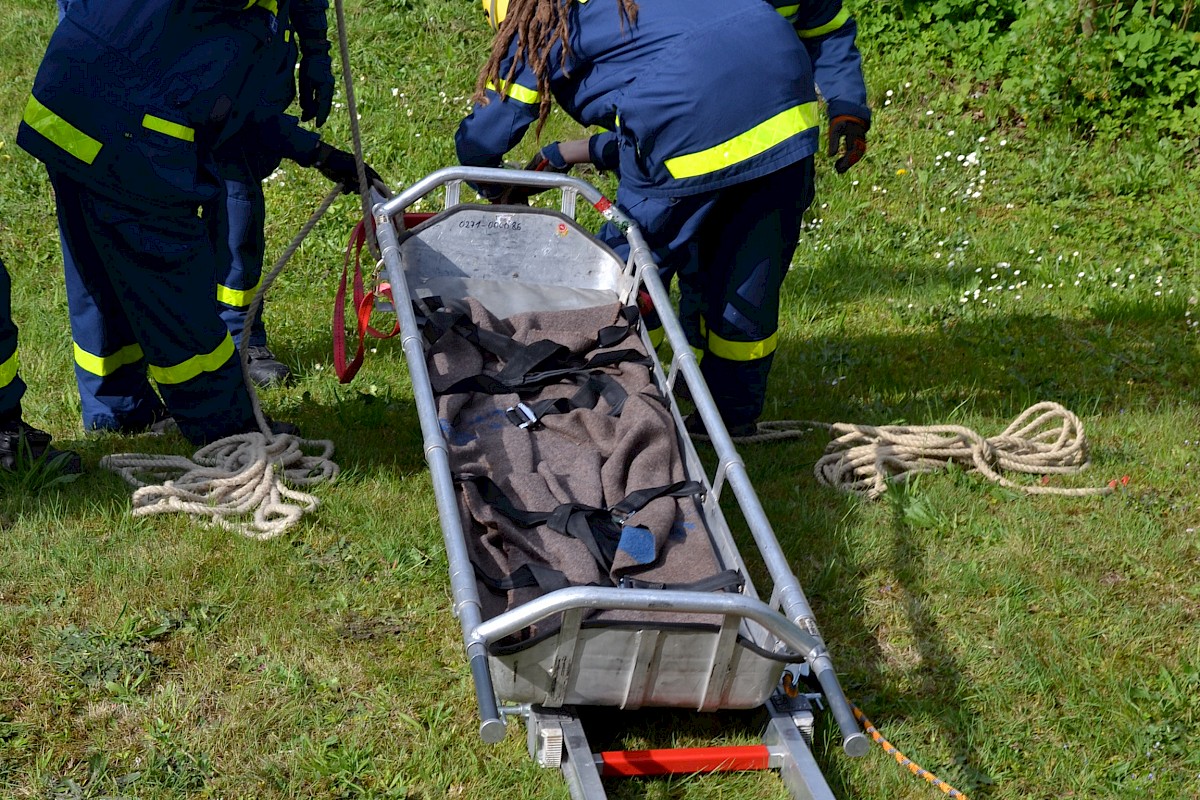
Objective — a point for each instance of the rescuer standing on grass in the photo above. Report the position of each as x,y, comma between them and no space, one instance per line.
713,117
18,440
132,102
252,155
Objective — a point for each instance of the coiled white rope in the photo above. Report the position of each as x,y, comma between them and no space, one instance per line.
1046,439
245,474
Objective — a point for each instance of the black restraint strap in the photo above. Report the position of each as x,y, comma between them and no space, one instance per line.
524,576
729,580
596,386
598,528
525,366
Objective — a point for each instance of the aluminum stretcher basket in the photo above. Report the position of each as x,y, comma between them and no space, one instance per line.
516,259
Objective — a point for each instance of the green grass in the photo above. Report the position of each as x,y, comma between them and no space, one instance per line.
1017,646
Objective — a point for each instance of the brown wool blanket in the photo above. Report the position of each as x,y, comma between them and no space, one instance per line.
584,456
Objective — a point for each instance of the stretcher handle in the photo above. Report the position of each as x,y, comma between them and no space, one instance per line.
598,597
854,741
491,726
515,177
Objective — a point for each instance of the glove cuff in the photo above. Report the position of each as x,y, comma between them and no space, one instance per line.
553,155
319,155
840,118
840,108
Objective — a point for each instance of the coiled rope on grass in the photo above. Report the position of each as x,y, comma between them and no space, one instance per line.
1046,439
249,473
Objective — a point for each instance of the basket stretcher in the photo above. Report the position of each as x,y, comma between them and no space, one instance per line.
518,259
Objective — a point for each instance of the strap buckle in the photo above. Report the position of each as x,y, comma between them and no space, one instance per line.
522,416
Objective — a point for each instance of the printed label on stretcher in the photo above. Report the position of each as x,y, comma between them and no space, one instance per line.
499,223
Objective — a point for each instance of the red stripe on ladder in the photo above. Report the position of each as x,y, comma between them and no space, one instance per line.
629,763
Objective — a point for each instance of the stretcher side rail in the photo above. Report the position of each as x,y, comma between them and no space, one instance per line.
794,624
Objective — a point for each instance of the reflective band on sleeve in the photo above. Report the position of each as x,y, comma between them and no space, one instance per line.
107,365
517,92
787,12
174,129
741,351
828,27
238,298
8,370
759,139
194,366
61,132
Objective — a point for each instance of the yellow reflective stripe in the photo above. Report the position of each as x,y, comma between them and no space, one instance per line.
828,27
59,131
174,129
759,139
698,353
187,370
287,35
8,370
787,12
517,92
741,351
236,297
269,5
107,365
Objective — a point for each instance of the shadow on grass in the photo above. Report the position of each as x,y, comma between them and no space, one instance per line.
993,367
958,372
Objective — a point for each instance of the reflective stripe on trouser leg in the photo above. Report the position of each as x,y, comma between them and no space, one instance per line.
236,229
743,262
159,265
110,372
11,385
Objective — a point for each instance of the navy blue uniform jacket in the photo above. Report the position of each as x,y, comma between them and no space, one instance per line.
700,94
133,95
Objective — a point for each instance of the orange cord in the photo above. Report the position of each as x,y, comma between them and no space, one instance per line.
904,760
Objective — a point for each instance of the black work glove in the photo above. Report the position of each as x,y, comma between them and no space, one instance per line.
316,88
548,159
340,167
853,132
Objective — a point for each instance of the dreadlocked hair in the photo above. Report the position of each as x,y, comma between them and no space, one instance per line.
536,25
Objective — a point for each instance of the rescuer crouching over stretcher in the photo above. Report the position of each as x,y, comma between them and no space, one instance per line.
131,105
712,118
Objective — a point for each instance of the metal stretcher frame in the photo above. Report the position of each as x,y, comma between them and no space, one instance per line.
787,619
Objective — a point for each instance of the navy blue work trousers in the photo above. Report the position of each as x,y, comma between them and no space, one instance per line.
141,293
11,386
730,250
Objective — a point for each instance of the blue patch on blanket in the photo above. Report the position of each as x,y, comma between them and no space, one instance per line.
454,436
466,431
638,544
679,531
